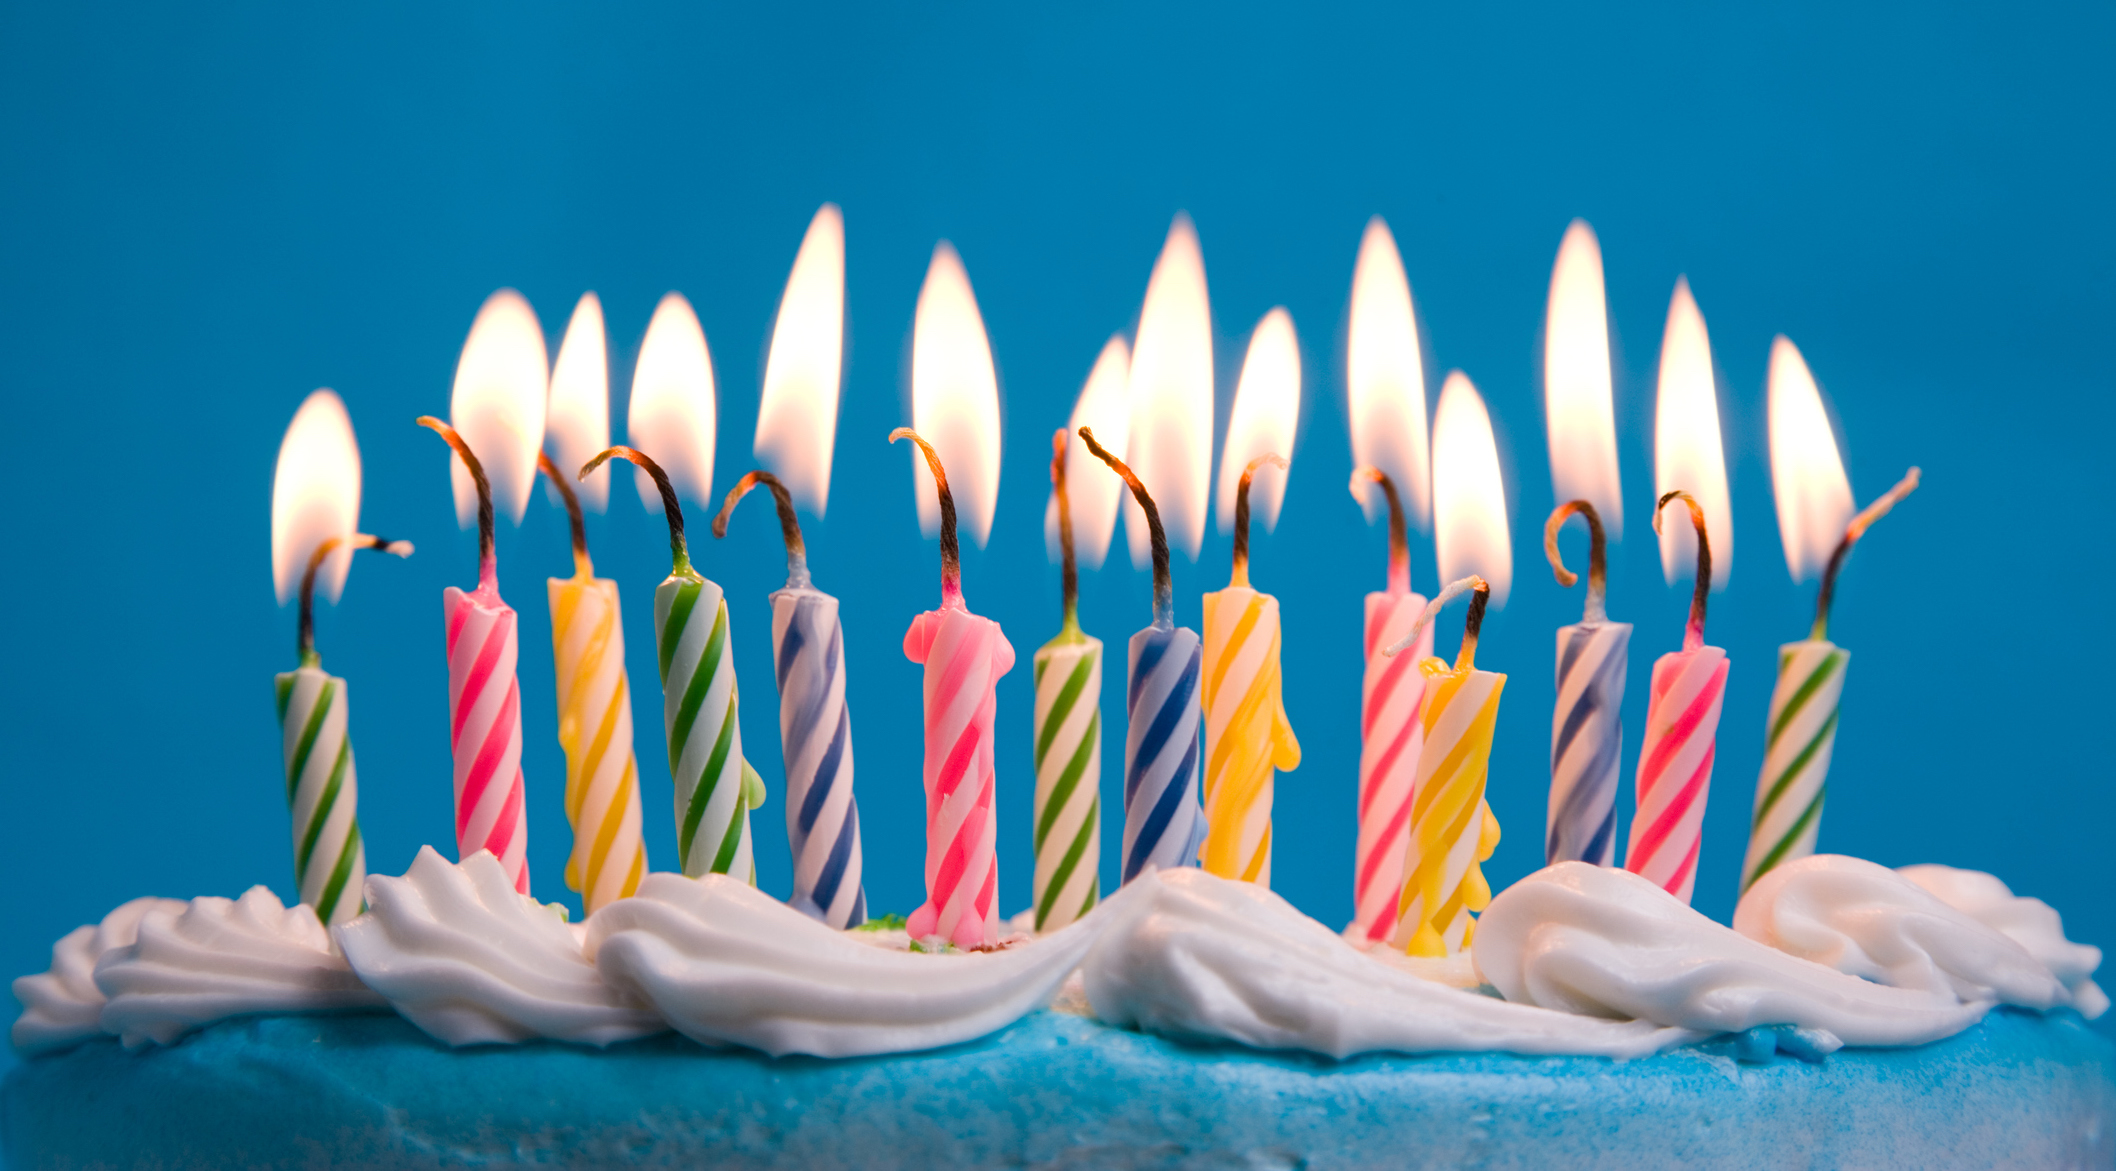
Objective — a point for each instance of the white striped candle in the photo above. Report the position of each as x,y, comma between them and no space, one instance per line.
1586,722
1068,731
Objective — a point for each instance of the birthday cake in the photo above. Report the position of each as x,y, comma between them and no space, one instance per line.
1586,1015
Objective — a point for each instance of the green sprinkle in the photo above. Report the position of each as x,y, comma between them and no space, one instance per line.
884,923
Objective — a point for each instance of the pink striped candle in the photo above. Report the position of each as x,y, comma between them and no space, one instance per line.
1391,730
485,700
964,656
1675,759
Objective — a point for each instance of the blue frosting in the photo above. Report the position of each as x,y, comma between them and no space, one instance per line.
370,1090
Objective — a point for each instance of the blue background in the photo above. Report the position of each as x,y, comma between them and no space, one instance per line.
208,213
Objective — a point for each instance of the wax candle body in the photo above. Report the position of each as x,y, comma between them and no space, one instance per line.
1068,812
1247,736
595,728
330,861
1452,830
1586,743
964,656
1391,732
485,724
1675,767
815,736
1163,823
715,786
1799,736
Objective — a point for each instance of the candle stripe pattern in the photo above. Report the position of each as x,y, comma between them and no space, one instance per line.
1163,823
1391,733
485,729
1586,742
964,656
595,728
1799,736
1068,812
330,861
1247,736
815,736
1452,830
715,787
1675,768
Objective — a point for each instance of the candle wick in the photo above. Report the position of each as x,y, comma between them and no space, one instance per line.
1157,537
1448,593
1595,612
789,523
477,477
950,551
1399,540
1694,633
1240,576
679,549
582,567
305,628
1852,532
1068,572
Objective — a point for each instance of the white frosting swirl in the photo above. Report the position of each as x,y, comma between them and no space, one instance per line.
725,963
1192,955
1866,920
466,958
63,1006
2032,923
195,964
1605,942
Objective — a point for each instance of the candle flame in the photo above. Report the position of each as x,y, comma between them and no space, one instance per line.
1104,406
1171,399
797,419
954,398
1576,381
1687,452
1469,497
1807,472
497,405
1266,413
674,416
1385,377
577,419
315,495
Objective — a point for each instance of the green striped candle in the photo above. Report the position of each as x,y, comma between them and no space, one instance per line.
715,786
1068,806
1801,730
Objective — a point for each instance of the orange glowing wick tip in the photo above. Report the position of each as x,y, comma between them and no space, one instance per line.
1240,576
1399,540
789,524
1157,537
1472,624
1595,611
1694,633
305,628
486,567
1068,573
582,567
1852,532
950,551
679,549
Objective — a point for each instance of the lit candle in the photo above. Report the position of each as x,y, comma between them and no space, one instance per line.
1163,823
715,786
485,698
1452,831
315,505
1586,723
964,656
1247,736
1068,729
815,727
1391,728
1808,479
1682,720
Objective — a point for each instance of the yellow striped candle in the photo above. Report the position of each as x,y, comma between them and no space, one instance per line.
1247,737
1452,829
594,723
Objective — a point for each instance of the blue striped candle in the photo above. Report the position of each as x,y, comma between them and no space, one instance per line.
1586,724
